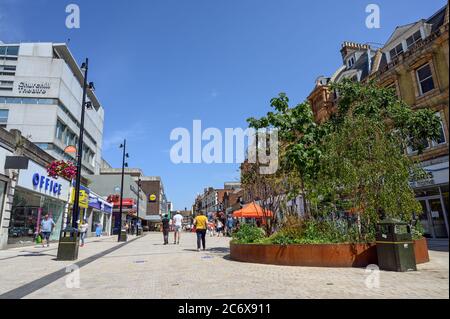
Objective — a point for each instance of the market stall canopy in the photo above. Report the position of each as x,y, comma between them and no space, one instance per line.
252,210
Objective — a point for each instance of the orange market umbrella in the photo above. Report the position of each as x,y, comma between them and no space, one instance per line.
252,210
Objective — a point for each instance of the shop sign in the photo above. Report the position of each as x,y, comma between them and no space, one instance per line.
97,203
84,198
35,178
152,198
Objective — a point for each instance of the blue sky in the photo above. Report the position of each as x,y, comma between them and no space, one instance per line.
160,64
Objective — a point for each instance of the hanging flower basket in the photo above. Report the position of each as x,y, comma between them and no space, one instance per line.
64,169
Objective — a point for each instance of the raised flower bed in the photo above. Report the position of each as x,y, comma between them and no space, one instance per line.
320,255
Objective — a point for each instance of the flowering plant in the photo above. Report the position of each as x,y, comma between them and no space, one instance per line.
67,170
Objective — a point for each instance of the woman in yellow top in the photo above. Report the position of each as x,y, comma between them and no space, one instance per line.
201,224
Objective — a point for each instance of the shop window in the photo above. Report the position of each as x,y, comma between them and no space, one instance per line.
4,118
425,79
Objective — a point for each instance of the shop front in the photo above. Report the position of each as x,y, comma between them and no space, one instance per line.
433,195
128,210
99,214
35,196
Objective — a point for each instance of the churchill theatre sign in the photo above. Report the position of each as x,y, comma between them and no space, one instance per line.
33,88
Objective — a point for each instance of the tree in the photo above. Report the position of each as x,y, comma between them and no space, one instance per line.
298,142
364,168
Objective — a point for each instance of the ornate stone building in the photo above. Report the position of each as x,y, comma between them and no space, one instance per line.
415,62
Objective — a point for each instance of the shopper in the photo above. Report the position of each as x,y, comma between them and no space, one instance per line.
201,222
99,230
166,228
211,228
83,231
178,224
47,227
230,225
219,226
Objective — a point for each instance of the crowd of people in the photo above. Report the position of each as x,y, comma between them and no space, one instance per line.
213,225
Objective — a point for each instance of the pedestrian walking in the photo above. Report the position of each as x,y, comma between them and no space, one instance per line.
47,226
178,224
166,228
201,223
219,227
230,225
83,231
99,230
211,228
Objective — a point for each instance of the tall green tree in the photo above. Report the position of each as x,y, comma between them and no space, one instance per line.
364,168
298,142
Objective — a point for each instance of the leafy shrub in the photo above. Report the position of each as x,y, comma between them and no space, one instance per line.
417,231
248,234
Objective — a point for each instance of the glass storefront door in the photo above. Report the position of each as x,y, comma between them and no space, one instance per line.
433,219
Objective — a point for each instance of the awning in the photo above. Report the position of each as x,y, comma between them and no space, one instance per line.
252,210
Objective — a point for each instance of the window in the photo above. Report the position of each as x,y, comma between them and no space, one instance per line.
6,85
411,149
416,37
12,51
7,70
351,62
60,128
441,140
5,50
396,51
425,79
4,118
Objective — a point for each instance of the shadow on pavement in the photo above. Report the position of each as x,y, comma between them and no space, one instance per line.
219,250
438,245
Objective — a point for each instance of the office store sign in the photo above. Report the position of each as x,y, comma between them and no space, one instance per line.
36,179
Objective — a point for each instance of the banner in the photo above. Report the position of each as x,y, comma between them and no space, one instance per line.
84,198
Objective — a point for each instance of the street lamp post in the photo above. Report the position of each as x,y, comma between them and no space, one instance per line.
76,203
124,164
137,206
68,247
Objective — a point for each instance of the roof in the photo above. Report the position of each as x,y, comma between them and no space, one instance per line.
63,51
399,31
437,19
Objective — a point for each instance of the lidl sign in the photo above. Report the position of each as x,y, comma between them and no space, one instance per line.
152,198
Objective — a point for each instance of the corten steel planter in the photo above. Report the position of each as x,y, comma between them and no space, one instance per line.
421,251
321,255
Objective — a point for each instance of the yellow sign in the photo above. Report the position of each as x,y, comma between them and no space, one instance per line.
153,198
84,198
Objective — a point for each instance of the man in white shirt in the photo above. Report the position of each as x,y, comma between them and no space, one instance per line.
178,223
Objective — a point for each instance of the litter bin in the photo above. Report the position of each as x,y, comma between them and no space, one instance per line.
395,247
123,235
69,243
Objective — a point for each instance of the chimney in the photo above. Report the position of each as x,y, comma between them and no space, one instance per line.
351,47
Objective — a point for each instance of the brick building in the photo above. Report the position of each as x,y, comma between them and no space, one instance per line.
415,62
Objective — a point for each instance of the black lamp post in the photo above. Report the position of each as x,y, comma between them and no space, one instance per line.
68,248
76,203
137,206
122,237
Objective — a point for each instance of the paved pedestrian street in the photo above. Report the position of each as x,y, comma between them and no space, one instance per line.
144,268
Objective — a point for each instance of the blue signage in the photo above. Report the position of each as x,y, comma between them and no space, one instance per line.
47,184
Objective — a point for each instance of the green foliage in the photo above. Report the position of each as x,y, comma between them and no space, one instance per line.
248,234
354,163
